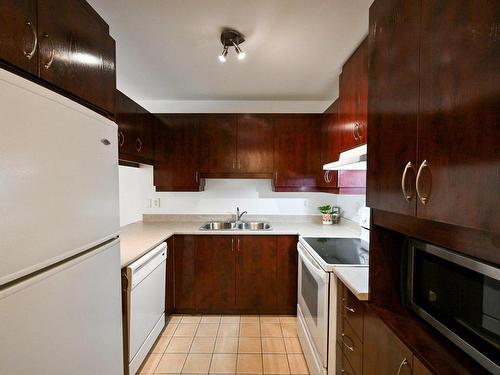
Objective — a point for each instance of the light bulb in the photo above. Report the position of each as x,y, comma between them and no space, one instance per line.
241,55
222,58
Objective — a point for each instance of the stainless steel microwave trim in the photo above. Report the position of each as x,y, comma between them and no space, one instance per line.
463,261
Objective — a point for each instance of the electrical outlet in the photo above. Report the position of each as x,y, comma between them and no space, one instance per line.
156,203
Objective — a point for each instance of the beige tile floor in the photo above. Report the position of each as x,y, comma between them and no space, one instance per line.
210,344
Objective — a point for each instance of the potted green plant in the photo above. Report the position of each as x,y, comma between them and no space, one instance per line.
326,210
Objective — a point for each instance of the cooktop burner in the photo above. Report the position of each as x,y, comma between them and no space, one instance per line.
340,251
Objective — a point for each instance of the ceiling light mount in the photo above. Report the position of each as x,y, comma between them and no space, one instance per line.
231,38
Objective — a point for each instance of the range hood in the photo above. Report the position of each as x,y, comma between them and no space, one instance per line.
350,160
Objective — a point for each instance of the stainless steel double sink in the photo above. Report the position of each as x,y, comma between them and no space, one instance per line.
233,225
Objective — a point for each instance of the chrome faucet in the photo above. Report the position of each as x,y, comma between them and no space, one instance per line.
239,215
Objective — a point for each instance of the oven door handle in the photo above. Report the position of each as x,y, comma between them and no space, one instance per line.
311,264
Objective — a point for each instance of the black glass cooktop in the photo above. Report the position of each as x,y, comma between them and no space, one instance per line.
340,250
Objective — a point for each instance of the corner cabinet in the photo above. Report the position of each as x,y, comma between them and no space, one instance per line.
177,153
435,64
64,44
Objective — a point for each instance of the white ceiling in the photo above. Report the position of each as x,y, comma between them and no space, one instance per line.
167,49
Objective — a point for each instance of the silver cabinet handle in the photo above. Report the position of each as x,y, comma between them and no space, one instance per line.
121,137
347,307
327,177
238,245
407,195
232,243
351,348
138,145
196,177
421,197
29,54
48,64
404,362
355,132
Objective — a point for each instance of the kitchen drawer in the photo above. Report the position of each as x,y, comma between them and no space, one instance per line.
352,347
342,366
353,311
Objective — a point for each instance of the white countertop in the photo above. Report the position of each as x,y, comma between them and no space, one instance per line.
355,279
140,237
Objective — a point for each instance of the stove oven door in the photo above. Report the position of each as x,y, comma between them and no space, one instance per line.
313,293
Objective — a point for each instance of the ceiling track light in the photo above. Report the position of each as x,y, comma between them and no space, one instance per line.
231,38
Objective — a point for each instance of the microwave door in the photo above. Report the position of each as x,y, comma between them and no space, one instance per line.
313,297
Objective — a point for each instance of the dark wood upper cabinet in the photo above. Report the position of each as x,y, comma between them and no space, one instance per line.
330,145
383,352
354,99
458,131
218,144
76,52
255,144
184,273
215,273
434,92
296,152
135,130
18,34
393,105
176,165
256,273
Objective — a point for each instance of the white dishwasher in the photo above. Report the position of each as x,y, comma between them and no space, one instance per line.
145,299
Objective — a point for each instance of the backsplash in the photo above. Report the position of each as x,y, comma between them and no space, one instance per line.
221,196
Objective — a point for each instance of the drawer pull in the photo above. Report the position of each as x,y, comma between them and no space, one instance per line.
403,363
138,145
351,348
347,307
408,195
48,64
121,137
423,199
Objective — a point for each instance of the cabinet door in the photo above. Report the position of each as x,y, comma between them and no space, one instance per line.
354,99
458,133
129,130
18,34
176,153
184,273
255,144
393,104
145,140
218,144
296,152
287,268
76,52
256,273
215,273
330,145
383,352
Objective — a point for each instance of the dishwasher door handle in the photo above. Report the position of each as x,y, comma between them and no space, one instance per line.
142,267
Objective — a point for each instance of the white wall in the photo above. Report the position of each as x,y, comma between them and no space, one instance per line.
220,197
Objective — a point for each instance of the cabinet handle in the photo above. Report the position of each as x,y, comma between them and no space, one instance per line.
196,177
238,245
342,371
121,137
351,348
234,163
138,145
48,64
403,363
232,244
408,195
29,54
239,164
423,199
347,307
355,131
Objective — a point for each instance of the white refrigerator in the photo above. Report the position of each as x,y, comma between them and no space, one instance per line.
60,293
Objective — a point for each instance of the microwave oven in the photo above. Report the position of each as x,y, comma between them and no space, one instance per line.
459,296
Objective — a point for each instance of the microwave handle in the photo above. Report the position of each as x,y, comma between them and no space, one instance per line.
310,264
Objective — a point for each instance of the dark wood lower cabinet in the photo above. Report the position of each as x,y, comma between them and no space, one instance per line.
184,273
256,272
247,274
215,273
384,353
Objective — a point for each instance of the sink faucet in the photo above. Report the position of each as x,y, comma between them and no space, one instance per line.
239,215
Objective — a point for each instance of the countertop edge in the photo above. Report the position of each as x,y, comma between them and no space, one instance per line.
360,295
